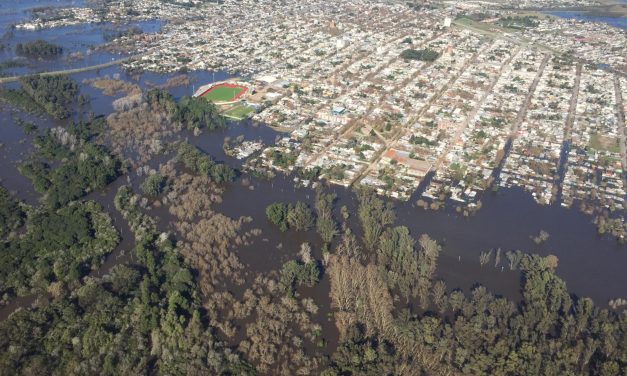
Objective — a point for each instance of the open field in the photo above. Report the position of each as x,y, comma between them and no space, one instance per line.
604,143
238,111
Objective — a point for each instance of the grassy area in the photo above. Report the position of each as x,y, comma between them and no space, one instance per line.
222,94
463,21
604,143
19,99
239,111
482,27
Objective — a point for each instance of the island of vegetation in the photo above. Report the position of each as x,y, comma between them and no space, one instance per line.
38,49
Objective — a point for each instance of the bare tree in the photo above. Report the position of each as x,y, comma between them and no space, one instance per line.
514,258
485,257
439,295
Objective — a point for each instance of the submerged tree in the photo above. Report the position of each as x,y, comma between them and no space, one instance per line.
374,215
325,224
277,214
295,274
399,261
514,258
153,185
428,262
485,257
299,216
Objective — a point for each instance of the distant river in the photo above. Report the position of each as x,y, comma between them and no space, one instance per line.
620,22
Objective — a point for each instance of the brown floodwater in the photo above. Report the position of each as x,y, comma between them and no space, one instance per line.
591,265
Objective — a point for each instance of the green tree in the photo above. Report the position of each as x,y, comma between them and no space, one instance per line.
197,112
294,274
202,164
424,54
277,214
299,216
153,185
325,224
374,215
55,94
398,260
11,214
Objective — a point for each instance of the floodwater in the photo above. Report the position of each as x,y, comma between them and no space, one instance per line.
620,22
78,41
591,265
21,10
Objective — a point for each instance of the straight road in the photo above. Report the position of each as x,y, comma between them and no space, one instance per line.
570,120
6,80
620,116
522,115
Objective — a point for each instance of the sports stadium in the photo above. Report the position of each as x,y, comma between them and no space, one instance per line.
223,92
229,97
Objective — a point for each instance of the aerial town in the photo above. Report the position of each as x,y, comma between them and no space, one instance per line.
280,188
368,93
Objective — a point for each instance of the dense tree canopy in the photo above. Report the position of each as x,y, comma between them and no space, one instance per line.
142,318
55,94
374,215
197,112
300,217
202,164
191,112
277,214
38,49
153,185
59,246
11,214
423,55
549,333
80,167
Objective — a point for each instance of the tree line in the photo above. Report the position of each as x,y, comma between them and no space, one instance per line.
141,318
444,332
38,49
77,167
55,94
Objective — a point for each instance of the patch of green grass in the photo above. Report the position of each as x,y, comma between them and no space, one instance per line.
483,27
18,98
600,142
11,64
239,111
222,94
